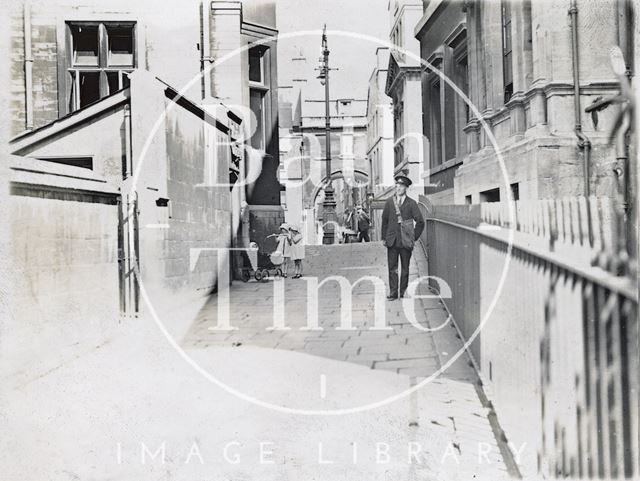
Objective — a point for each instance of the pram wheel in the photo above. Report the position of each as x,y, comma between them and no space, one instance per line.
258,276
278,272
265,274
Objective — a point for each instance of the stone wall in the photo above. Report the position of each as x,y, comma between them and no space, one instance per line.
183,201
64,251
16,66
45,71
200,209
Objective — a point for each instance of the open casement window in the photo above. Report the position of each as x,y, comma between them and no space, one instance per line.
259,85
101,54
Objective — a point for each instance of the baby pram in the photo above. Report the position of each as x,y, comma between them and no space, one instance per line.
262,264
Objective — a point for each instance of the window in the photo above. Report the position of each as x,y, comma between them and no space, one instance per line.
101,56
515,191
491,195
256,104
258,94
461,79
82,162
120,46
507,62
398,129
467,199
85,45
256,65
435,122
528,44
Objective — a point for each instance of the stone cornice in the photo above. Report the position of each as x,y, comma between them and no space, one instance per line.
429,12
396,71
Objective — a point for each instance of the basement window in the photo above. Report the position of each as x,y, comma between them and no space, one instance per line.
101,57
491,195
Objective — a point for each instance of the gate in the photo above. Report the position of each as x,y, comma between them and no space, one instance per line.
128,248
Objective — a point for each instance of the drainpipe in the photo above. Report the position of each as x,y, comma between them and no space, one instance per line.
28,67
128,171
205,48
625,33
583,141
622,144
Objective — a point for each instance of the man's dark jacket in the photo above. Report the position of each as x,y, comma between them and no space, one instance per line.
390,227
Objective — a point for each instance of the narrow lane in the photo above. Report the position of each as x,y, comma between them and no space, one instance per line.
445,416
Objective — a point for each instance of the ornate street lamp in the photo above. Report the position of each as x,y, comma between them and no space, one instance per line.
329,204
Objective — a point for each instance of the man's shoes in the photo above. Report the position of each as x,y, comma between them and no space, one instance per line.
392,298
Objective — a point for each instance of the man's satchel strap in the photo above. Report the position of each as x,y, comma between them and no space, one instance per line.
395,203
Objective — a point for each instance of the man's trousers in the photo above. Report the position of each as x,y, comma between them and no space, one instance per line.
392,259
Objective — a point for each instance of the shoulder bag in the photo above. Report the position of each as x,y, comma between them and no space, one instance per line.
407,232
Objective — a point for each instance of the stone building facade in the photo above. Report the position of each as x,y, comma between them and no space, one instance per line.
519,65
304,151
379,137
404,88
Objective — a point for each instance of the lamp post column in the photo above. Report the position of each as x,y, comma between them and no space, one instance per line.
329,203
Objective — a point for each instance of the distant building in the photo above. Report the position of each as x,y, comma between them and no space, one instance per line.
379,137
303,150
515,61
404,87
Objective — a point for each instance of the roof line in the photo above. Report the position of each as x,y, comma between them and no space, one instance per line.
25,139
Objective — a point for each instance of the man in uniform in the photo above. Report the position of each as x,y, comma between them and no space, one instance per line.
402,224
363,224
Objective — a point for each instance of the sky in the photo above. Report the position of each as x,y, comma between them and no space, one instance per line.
355,58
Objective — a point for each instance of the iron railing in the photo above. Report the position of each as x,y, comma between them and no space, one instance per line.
539,284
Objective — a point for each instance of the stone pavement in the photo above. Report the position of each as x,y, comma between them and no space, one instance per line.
258,405
403,348
450,402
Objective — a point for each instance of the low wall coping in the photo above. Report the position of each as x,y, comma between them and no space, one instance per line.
35,172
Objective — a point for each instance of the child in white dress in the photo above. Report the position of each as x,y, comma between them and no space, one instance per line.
284,246
297,250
